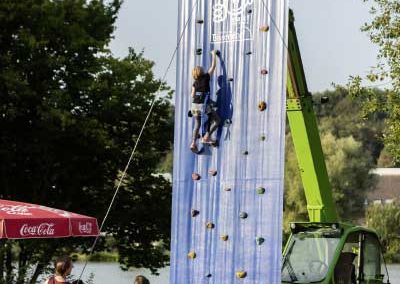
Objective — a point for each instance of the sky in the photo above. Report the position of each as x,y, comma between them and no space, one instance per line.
331,43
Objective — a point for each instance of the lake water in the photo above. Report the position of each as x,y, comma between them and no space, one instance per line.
108,273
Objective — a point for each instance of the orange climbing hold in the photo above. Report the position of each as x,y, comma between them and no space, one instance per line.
262,106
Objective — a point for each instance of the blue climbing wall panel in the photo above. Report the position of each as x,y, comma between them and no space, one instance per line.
234,236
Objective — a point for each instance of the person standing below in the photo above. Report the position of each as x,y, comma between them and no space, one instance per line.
63,267
202,104
140,279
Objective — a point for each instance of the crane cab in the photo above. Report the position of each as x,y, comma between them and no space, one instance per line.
333,253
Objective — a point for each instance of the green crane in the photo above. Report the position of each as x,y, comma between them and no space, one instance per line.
322,250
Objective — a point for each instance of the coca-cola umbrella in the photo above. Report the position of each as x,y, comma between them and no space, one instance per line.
19,220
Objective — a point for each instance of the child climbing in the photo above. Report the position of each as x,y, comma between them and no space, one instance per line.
202,104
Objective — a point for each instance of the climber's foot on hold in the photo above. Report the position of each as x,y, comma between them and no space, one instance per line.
193,147
207,140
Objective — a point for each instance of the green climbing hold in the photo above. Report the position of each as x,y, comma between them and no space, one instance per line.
263,137
260,241
243,215
241,274
260,190
199,51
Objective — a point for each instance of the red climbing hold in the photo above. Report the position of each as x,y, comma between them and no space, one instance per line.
213,172
264,71
196,176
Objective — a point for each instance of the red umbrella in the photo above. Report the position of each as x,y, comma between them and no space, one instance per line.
20,220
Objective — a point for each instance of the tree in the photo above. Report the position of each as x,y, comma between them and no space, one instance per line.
383,30
351,146
69,116
385,219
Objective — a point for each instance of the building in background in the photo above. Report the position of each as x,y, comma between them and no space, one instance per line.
387,189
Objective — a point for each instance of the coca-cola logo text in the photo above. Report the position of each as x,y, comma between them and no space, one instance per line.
44,229
16,209
85,228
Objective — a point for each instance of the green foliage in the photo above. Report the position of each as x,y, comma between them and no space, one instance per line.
70,114
351,147
384,31
385,219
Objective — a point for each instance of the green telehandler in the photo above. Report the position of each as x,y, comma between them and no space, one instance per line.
322,250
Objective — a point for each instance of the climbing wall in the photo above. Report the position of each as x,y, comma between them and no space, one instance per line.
227,200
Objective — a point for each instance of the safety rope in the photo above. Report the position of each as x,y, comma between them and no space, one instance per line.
139,137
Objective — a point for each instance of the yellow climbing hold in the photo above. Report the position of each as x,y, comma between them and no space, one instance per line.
224,238
241,274
192,255
264,28
210,225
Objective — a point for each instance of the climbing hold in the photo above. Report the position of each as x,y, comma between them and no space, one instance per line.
264,71
243,215
196,176
264,28
213,172
260,190
224,238
230,79
245,153
227,122
263,137
260,241
199,21
241,274
227,189
249,53
262,106
190,114
195,212
191,255
208,275
199,51
249,11
210,225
